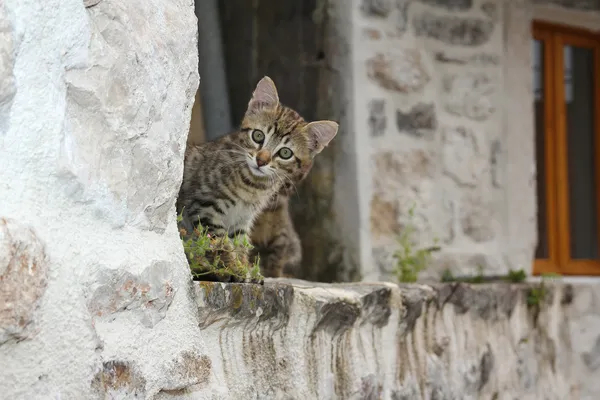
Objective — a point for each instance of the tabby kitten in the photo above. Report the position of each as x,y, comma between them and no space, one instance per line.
273,234
229,181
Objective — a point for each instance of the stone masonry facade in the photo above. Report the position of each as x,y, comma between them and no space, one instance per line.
446,89
434,95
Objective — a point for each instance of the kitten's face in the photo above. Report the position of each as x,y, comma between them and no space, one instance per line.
277,141
277,145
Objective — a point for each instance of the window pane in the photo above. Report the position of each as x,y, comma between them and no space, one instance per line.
539,105
579,98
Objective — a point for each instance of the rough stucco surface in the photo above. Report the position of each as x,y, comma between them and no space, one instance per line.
301,340
95,102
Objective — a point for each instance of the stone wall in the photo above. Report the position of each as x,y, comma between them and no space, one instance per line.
95,102
301,340
450,131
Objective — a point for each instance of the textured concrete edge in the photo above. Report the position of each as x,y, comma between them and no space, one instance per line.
340,306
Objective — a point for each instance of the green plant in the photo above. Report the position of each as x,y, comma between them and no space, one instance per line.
219,257
410,261
537,294
516,276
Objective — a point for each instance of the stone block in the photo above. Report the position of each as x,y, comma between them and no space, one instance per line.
148,296
419,121
397,171
23,279
478,216
453,30
470,95
119,379
465,157
401,70
377,117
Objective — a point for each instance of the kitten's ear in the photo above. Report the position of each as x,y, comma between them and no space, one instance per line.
265,95
321,133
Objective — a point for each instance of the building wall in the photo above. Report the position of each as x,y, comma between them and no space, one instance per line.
444,99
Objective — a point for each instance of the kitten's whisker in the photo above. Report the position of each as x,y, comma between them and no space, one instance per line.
291,182
244,151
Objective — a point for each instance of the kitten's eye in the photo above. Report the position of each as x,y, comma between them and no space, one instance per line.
285,153
258,136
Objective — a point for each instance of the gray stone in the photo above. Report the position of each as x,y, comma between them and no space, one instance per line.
400,70
377,117
477,217
453,30
148,296
378,8
419,121
470,95
463,159
451,5
23,279
402,178
480,59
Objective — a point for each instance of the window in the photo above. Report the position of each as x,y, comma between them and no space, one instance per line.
566,64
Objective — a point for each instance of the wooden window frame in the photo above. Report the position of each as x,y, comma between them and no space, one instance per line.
554,37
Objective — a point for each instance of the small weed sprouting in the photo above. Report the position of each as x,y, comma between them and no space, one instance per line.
517,276
537,294
220,258
410,261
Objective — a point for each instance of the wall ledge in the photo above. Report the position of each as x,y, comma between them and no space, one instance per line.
298,339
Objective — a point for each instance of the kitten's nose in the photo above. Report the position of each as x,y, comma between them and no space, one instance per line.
263,157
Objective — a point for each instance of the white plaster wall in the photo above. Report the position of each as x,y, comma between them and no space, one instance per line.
94,111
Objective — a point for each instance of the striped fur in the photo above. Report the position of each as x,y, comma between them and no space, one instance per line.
228,182
273,234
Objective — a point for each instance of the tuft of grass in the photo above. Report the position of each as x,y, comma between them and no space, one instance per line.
219,258
410,260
